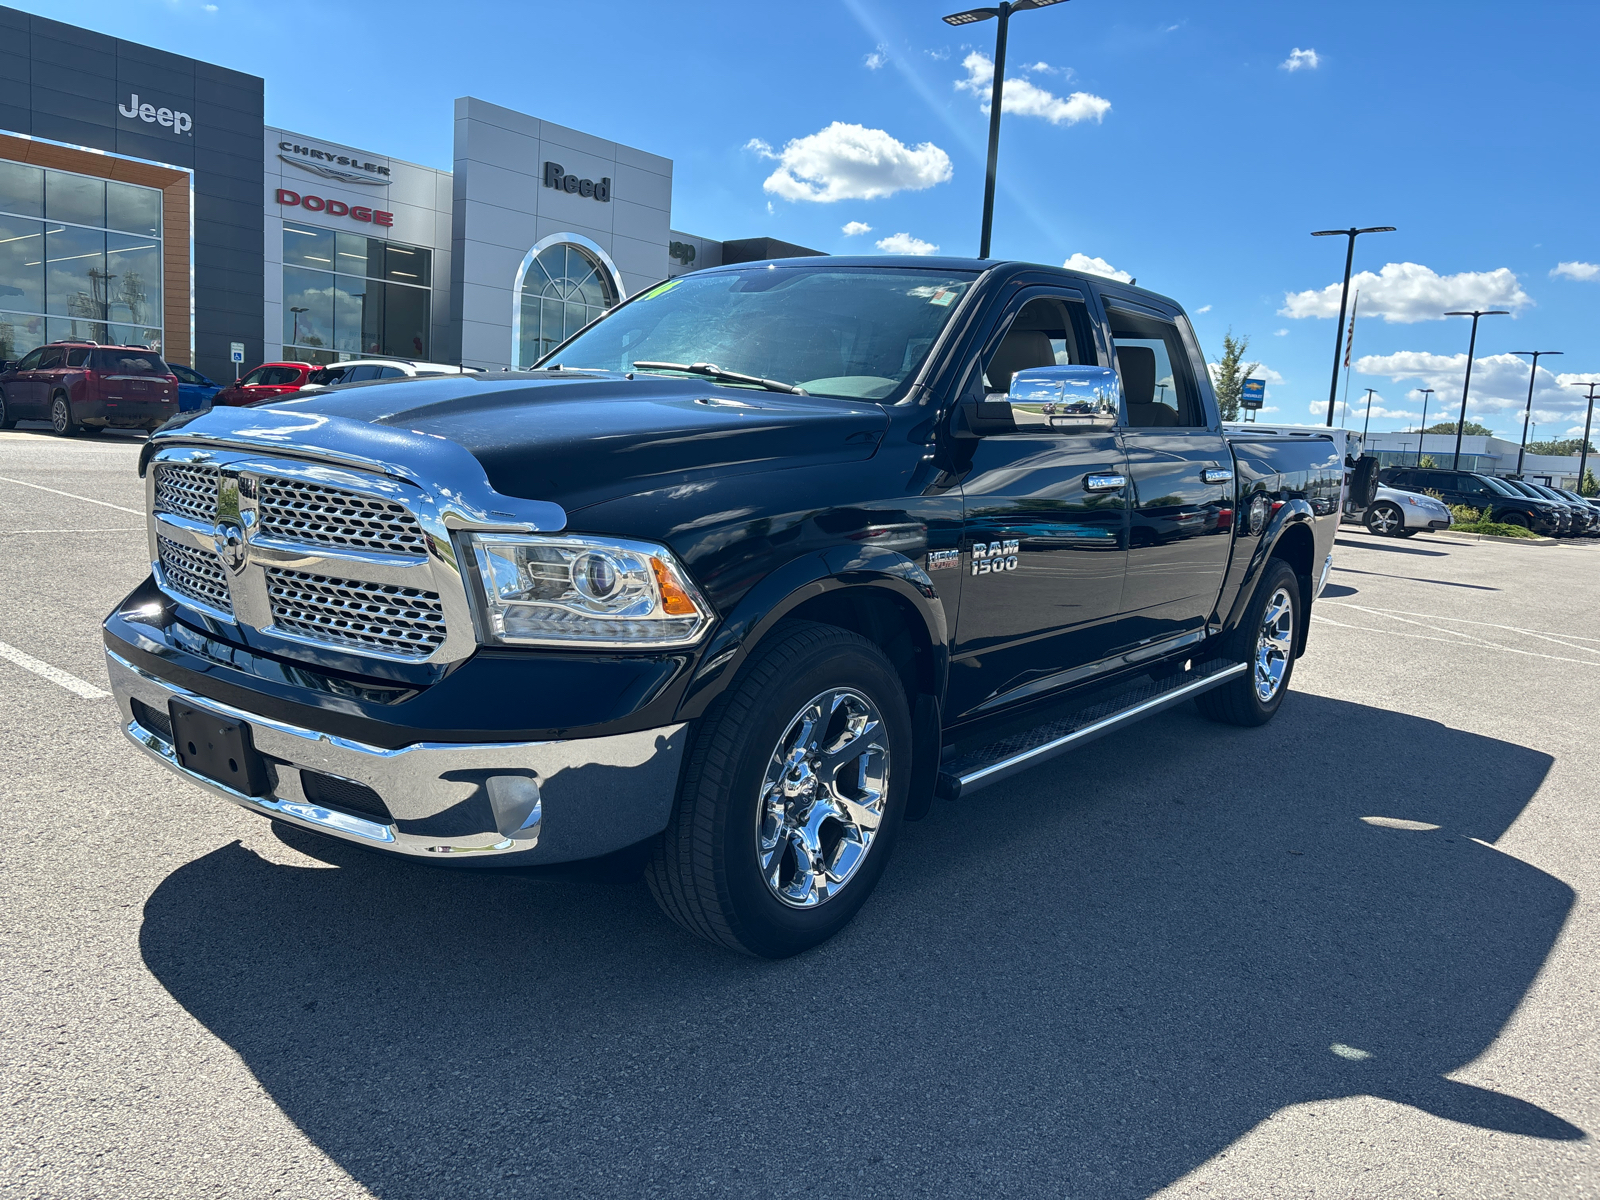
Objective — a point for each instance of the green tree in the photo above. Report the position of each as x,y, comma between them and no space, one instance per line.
1427,461
1590,485
1563,448
1473,429
1228,375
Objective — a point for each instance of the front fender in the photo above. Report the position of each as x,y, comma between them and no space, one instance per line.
800,580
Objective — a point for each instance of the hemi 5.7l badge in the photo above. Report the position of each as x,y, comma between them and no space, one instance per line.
943,560
992,557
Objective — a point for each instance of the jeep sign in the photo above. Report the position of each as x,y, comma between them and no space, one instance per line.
178,122
556,177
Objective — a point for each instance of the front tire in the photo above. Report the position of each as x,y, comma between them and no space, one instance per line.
1514,518
1265,641
1385,520
792,796
61,418
7,420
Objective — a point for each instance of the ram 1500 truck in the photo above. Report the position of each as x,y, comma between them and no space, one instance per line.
733,583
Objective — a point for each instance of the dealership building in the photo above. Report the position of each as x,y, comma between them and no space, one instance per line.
144,201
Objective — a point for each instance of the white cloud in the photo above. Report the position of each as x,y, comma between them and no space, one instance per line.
1301,60
1280,333
852,228
1576,270
877,58
939,55
1086,265
1204,308
1499,387
1404,293
851,162
1026,99
209,7
904,243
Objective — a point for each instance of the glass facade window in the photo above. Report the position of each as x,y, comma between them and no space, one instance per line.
565,288
80,259
348,296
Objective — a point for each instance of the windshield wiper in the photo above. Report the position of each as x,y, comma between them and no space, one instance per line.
716,372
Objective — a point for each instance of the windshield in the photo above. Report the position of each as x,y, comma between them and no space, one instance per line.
1503,489
843,331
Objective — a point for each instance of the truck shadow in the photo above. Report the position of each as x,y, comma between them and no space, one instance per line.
1086,983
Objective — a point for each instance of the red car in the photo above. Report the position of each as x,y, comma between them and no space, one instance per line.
266,382
81,386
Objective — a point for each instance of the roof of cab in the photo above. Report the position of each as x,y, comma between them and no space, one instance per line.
943,263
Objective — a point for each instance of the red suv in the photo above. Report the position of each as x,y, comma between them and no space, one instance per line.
266,382
79,386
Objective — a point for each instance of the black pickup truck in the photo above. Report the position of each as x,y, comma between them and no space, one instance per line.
740,578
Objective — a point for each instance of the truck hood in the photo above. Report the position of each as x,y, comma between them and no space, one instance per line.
580,439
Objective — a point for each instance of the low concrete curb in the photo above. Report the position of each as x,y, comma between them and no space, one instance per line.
1494,537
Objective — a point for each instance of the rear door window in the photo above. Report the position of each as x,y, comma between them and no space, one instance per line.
1156,376
279,376
51,359
77,356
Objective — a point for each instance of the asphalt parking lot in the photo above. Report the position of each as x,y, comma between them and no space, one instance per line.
1349,955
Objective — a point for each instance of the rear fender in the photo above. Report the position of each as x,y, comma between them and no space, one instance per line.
1292,515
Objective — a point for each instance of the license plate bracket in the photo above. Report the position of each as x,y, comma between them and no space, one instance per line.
217,748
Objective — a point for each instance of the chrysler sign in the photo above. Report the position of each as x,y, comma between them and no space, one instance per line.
345,168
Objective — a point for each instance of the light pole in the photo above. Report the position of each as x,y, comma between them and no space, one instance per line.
1344,298
295,336
971,17
1466,385
1527,415
1583,457
1423,431
1368,421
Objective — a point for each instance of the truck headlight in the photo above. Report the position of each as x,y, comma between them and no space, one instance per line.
582,591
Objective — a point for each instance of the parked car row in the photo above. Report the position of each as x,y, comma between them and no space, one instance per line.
84,387
1551,512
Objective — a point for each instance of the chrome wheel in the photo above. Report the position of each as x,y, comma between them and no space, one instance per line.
1384,520
1274,645
822,798
60,415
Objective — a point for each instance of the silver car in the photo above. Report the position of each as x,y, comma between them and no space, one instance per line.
1396,513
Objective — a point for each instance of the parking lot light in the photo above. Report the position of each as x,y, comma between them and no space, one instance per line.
1344,298
1466,385
1422,430
1583,456
972,16
1527,415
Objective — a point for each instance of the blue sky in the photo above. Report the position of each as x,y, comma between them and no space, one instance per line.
1186,144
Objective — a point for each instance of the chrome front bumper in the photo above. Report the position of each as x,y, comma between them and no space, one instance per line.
495,804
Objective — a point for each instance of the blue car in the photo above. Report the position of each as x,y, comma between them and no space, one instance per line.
194,389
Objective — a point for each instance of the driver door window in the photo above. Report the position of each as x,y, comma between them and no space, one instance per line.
1046,333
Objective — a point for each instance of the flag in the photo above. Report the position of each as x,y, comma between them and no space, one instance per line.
1351,340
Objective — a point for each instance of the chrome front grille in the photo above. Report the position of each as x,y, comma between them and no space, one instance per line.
293,510
194,573
404,621
187,490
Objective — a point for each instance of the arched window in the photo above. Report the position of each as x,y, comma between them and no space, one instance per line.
565,283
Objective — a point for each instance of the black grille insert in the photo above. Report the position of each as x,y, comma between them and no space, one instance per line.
345,795
154,720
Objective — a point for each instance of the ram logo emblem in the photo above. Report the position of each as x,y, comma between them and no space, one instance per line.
989,558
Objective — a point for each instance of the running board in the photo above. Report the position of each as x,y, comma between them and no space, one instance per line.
1000,760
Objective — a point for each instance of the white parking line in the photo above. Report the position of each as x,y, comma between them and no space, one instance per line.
72,495
1459,639
12,532
55,675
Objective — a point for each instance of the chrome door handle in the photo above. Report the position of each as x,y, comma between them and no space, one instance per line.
1216,475
1105,483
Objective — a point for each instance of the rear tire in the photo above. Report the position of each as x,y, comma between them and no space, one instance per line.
7,421
775,843
61,418
1265,641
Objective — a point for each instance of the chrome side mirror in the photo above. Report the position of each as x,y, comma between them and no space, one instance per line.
1065,398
